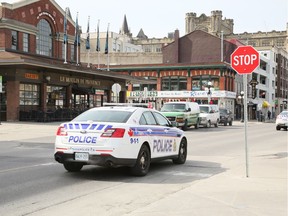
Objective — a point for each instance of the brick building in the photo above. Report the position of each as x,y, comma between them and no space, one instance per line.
186,72
41,76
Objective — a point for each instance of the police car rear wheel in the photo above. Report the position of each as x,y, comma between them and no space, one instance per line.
73,167
182,154
142,165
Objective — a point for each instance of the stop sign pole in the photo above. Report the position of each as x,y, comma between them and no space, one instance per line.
244,60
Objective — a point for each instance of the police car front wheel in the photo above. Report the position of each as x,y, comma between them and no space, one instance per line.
73,167
182,154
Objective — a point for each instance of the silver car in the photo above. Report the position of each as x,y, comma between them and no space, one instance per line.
282,120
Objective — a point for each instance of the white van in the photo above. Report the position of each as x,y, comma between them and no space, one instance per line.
209,115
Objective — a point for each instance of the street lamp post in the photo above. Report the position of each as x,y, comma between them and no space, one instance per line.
209,92
241,98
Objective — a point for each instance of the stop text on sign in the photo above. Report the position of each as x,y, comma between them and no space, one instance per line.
245,59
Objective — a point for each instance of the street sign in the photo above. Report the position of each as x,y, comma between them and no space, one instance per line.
245,59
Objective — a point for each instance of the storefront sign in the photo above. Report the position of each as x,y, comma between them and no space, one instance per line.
181,94
141,94
31,76
80,81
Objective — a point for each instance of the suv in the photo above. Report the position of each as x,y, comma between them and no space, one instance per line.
226,117
182,114
209,114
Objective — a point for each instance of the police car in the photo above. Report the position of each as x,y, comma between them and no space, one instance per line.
119,136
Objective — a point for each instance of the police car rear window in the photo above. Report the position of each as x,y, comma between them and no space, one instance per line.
104,116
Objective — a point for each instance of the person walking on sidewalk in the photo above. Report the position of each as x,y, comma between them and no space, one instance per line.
269,114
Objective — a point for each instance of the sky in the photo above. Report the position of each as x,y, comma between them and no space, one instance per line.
159,17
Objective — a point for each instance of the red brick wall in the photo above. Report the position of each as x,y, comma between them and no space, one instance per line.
31,14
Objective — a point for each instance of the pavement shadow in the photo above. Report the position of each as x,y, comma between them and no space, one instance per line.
164,172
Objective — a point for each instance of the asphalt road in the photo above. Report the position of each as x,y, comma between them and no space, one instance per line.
32,183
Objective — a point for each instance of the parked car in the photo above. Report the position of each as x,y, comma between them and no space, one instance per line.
119,136
282,120
226,117
183,114
209,115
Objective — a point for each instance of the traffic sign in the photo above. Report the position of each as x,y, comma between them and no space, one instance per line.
245,59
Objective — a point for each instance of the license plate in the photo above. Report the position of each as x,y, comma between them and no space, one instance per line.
81,156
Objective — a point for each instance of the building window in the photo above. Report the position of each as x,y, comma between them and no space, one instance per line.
25,42
14,40
174,83
63,50
200,83
280,43
29,94
44,39
266,43
72,53
150,87
56,97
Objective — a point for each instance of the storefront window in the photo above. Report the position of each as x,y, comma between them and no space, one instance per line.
150,87
29,94
200,83
44,38
174,83
56,97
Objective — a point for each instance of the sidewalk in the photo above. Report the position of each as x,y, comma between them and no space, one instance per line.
10,131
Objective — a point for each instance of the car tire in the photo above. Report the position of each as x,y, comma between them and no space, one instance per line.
142,165
182,153
185,126
73,167
225,123
208,124
230,123
278,128
197,125
216,124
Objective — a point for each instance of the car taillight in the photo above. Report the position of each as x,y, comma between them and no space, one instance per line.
114,132
61,131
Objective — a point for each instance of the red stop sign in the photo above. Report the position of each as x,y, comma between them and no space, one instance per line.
245,59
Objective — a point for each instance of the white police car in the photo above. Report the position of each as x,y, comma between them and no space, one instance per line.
119,136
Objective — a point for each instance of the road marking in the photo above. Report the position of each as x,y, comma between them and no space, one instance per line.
27,167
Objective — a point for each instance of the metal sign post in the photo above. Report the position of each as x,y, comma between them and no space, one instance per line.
245,123
244,60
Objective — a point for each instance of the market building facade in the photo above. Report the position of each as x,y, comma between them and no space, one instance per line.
199,73
42,77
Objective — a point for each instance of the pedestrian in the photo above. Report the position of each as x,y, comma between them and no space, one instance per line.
269,114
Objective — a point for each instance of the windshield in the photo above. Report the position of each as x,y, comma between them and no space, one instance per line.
223,111
173,108
204,109
104,116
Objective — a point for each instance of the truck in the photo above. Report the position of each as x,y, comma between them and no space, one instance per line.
182,114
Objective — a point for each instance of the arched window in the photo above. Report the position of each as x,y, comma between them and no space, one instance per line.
44,39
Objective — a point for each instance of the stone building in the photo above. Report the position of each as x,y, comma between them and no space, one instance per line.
213,24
